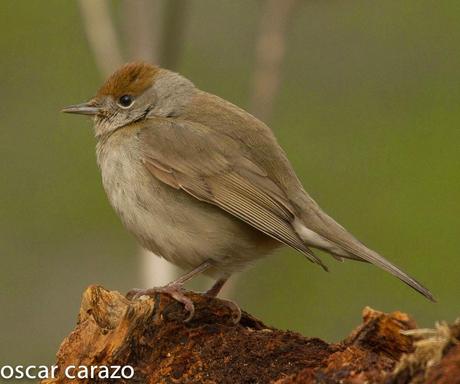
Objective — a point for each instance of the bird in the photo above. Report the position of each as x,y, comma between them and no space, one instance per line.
205,184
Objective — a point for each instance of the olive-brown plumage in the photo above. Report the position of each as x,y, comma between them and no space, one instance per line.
202,182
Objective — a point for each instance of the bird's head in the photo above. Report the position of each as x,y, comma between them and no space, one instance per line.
135,92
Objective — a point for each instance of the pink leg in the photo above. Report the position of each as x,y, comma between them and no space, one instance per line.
173,289
215,289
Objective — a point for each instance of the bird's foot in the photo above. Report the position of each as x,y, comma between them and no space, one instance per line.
176,291
232,306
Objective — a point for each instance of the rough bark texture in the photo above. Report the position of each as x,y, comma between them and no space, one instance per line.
150,335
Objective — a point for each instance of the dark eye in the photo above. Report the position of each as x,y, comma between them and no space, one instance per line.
125,101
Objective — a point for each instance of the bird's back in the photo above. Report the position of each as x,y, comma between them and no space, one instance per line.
311,223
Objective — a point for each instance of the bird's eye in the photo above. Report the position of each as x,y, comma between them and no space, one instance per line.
125,101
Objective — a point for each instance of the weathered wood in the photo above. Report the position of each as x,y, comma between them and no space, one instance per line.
150,335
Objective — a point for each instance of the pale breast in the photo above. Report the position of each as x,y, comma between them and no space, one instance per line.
170,222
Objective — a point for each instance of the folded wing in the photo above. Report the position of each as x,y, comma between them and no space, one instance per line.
215,168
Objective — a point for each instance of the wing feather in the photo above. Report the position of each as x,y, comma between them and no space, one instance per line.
223,177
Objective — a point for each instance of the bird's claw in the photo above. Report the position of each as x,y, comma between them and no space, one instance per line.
233,307
174,290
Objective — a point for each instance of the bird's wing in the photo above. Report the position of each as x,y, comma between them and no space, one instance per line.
214,168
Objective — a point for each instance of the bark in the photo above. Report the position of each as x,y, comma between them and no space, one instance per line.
150,335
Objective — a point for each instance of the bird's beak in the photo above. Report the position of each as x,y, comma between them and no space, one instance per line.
87,108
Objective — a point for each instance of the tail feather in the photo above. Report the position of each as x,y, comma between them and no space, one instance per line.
374,258
342,243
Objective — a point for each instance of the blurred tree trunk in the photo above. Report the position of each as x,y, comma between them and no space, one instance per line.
101,34
174,23
155,30
142,28
270,52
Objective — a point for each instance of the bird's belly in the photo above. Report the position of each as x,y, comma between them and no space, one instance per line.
175,225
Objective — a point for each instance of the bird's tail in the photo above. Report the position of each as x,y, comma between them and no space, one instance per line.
373,257
341,243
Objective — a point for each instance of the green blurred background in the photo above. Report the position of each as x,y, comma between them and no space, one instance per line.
368,112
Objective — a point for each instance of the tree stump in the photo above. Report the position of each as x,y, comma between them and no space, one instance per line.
150,336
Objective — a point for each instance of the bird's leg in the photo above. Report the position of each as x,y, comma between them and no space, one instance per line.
174,289
216,288
234,308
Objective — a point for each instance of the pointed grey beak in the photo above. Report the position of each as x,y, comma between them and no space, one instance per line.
87,108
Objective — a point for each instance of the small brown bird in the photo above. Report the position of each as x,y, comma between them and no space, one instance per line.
203,183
